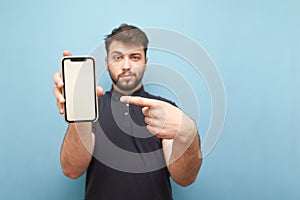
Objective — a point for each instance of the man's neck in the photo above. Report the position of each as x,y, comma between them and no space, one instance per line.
127,92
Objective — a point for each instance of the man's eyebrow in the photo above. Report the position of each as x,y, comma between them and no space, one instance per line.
135,53
132,53
117,52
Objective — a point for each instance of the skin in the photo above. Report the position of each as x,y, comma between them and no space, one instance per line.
78,145
126,65
179,133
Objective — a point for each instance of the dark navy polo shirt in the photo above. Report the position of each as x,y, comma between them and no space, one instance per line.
128,161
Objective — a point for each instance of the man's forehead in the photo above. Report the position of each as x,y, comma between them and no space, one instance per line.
125,48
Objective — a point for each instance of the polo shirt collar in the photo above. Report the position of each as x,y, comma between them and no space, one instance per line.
117,95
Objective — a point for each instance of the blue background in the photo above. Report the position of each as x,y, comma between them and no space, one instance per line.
255,45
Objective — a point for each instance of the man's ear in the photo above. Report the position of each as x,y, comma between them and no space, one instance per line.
146,62
106,62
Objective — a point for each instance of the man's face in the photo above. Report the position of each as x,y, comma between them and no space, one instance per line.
126,64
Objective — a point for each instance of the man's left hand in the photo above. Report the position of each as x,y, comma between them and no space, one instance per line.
163,119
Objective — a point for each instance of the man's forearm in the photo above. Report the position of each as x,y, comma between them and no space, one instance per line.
185,156
77,148
185,168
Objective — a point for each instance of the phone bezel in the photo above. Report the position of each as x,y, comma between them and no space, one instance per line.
80,59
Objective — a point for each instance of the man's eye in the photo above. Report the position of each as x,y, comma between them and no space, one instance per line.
135,58
117,58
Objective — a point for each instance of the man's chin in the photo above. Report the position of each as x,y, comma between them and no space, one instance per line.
126,87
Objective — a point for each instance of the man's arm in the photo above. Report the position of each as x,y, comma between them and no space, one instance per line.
183,157
77,149
78,145
180,138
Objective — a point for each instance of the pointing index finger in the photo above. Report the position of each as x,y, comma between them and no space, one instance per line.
139,101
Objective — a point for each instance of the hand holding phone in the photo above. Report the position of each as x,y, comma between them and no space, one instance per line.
79,89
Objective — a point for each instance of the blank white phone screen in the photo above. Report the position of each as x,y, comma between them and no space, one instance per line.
79,89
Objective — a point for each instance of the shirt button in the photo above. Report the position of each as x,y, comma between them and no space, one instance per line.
126,113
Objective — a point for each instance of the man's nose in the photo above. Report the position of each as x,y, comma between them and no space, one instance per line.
126,64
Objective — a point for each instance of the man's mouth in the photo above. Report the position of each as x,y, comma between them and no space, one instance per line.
126,76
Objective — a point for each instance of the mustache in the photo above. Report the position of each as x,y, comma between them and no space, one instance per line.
128,73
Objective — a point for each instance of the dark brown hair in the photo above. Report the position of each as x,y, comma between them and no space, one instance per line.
127,34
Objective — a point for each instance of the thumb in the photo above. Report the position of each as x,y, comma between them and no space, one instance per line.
99,91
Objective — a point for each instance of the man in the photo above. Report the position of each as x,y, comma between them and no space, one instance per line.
134,123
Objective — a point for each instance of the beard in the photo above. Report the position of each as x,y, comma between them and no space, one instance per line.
126,85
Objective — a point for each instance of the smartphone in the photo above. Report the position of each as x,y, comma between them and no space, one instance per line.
79,77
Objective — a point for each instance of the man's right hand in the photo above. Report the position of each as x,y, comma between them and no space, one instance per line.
60,100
